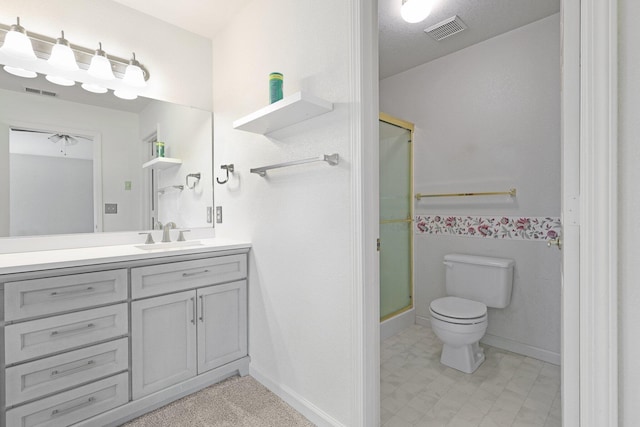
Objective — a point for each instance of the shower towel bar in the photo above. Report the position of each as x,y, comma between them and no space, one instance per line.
332,159
511,192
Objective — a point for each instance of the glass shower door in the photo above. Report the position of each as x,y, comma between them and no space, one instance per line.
396,231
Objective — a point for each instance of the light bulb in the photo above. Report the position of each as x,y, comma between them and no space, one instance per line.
100,66
17,44
90,87
125,94
20,72
62,81
414,11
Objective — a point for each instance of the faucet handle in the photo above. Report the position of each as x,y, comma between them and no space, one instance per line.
149,240
181,236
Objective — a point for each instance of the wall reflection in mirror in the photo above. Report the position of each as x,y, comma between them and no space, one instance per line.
72,161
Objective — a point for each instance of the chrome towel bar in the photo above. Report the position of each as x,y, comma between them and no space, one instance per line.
332,159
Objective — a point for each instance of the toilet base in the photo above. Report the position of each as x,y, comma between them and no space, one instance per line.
466,358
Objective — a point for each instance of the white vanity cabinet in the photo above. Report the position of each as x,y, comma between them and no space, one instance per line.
97,345
163,331
222,324
66,347
196,330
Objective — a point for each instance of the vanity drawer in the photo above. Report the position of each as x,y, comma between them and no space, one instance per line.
40,337
178,276
72,406
37,297
36,379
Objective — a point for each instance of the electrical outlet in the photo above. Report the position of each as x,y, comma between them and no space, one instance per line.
218,214
209,214
127,185
110,208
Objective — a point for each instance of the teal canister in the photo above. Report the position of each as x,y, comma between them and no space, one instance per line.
160,149
275,87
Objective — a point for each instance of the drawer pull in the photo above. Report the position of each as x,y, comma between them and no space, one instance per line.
194,273
201,308
58,412
74,292
73,370
70,331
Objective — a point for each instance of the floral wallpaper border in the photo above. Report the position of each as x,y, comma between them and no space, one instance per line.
498,227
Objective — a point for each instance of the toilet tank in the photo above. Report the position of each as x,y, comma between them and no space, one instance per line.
484,279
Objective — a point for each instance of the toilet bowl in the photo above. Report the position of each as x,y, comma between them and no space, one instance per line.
473,283
460,324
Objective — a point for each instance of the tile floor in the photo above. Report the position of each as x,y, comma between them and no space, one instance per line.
507,390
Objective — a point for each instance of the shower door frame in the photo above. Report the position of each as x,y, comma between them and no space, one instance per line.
394,121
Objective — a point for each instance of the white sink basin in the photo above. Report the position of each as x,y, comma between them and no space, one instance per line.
170,245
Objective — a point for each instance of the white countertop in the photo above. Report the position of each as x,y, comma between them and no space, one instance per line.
46,260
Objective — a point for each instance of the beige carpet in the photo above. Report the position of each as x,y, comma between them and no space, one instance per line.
237,401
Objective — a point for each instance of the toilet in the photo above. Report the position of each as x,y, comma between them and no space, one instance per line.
473,283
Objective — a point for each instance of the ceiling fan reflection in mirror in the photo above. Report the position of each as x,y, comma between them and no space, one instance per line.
64,139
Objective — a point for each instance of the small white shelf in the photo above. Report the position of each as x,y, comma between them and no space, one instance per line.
288,111
160,163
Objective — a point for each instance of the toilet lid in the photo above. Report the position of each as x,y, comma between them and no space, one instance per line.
458,308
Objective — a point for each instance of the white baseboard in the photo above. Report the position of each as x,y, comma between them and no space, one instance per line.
509,345
424,321
299,403
520,348
397,323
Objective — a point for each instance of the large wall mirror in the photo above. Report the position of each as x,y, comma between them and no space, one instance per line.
72,161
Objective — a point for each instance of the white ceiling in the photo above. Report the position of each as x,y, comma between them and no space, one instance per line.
205,18
402,45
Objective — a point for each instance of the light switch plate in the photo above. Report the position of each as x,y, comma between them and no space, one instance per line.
218,214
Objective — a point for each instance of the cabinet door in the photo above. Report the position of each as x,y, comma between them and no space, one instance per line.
222,324
163,342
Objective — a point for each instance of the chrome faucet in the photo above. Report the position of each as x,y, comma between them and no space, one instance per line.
166,234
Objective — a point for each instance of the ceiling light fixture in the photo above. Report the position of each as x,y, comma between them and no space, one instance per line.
62,59
64,64
17,45
134,76
100,67
413,11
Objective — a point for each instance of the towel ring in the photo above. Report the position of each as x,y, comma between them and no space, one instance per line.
229,168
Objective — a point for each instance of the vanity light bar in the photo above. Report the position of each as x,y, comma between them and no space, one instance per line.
42,46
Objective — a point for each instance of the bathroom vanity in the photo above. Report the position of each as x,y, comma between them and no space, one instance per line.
98,336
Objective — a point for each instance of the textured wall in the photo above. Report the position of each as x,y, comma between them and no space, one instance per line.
296,218
488,119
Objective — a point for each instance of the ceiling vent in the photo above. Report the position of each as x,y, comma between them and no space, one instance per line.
446,28
40,92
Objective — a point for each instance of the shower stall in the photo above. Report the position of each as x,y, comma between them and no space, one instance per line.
396,224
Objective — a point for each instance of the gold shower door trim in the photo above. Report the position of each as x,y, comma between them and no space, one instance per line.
383,117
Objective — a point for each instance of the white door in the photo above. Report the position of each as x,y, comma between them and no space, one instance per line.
222,324
163,342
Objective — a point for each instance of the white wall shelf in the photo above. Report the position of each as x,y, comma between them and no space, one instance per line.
160,163
288,111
